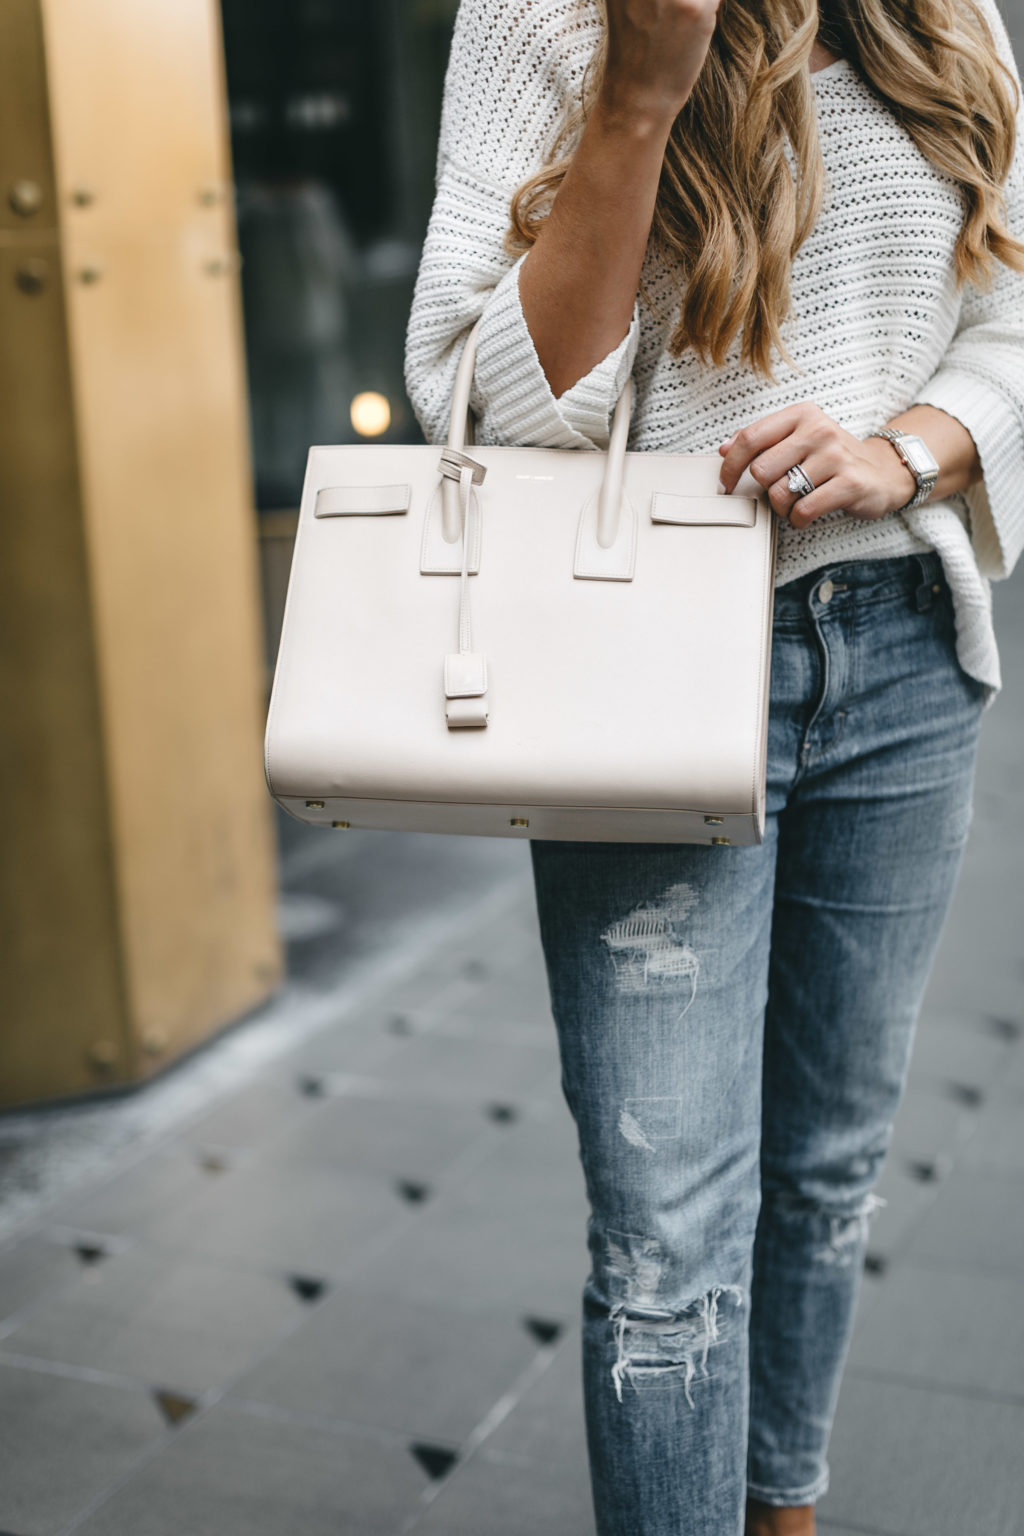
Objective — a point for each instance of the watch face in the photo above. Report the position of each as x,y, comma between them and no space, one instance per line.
919,456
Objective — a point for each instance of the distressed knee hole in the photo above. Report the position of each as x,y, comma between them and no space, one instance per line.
831,1236
847,1231
646,949
658,1349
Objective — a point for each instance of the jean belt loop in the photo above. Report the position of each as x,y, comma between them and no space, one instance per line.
924,595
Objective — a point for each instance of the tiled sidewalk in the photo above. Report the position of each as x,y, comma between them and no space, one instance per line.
342,1299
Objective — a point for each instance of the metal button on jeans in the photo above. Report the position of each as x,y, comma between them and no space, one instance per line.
825,592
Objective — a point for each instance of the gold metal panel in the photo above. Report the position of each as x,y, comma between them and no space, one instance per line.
25,151
59,948
138,110
157,371
137,903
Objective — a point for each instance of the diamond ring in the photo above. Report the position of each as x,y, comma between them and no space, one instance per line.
799,482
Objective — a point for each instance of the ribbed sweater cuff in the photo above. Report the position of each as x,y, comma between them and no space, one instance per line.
512,384
995,502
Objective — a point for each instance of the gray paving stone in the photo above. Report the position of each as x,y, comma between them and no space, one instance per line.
956,1048
547,1424
1013,1076
513,994
912,1462
930,1121
235,1474
464,1070
292,1217
465,1250
997,1145
256,1115
352,1045
413,1367
31,1267
62,1442
177,1323
155,1183
977,968
535,1164
393,1137
976,1222
504,1498
925,1324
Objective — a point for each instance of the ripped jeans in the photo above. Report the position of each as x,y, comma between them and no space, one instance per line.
735,1026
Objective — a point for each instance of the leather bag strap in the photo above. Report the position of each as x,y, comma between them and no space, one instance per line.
459,432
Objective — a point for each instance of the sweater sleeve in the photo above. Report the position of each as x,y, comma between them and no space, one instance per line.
981,378
512,71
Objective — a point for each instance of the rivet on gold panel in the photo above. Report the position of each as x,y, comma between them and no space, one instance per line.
155,1042
83,197
26,198
90,274
221,266
32,275
211,197
102,1054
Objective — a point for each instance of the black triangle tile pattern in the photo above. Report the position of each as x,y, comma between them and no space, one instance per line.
544,1330
503,1114
89,1253
436,1460
312,1087
306,1287
414,1192
966,1094
1004,1029
174,1407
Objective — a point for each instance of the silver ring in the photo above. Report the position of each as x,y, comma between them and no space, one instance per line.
799,482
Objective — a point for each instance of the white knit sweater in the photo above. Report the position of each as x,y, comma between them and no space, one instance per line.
878,323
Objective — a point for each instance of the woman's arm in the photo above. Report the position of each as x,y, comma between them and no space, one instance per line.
578,283
553,357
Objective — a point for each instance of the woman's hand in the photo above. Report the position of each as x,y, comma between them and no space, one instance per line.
656,50
865,479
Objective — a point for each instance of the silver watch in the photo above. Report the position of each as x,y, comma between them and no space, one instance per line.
918,458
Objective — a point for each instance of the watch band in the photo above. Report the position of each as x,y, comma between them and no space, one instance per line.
925,479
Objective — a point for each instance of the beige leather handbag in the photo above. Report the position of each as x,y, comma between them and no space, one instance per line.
525,642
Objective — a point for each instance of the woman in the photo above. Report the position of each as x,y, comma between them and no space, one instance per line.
791,228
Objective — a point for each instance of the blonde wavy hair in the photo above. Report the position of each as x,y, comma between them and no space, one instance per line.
729,213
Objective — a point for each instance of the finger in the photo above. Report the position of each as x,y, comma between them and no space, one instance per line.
805,446
827,495
759,435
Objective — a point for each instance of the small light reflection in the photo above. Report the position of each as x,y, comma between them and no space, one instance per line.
371,414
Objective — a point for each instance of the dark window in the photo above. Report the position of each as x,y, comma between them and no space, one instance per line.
335,106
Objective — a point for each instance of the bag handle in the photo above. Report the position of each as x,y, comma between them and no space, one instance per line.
459,434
